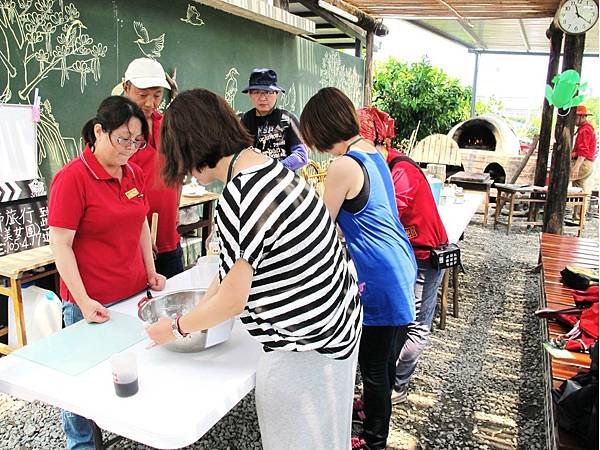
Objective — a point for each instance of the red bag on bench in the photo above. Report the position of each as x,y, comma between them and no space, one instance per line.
583,334
583,319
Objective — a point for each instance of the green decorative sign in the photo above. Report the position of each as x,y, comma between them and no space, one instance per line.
566,85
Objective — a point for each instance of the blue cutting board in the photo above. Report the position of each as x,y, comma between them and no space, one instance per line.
83,345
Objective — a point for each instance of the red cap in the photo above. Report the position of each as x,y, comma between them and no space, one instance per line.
582,111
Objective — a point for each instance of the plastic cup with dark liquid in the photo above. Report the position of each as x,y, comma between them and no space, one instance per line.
124,371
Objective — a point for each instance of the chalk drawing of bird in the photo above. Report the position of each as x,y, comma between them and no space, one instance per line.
288,100
192,16
151,48
231,87
71,33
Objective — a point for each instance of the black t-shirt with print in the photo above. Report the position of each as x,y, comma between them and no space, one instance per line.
273,134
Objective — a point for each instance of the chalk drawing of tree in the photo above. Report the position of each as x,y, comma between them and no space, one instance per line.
335,73
288,99
37,38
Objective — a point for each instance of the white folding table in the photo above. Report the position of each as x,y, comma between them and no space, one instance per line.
456,217
181,395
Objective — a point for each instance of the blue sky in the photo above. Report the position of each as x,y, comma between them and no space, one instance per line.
521,78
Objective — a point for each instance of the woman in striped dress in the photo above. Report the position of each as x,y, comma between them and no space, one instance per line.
359,195
281,269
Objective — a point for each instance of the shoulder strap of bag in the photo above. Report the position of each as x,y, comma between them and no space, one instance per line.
404,158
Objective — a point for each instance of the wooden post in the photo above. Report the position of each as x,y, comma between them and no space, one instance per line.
541,166
365,21
369,70
554,211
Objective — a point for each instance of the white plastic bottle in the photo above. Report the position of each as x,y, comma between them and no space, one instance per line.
42,310
214,246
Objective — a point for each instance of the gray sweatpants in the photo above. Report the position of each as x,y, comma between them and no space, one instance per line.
304,400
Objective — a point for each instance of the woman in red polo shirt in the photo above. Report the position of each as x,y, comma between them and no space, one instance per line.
98,229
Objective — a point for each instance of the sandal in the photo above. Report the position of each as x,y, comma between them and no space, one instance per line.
358,443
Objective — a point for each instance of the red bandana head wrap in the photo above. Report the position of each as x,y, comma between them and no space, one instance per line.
376,126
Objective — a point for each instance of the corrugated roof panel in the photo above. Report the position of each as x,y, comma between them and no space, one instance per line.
505,34
468,9
494,22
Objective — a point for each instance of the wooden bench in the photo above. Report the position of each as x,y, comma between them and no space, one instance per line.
534,197
556,252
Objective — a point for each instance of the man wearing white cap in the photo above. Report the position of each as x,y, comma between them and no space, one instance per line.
144,82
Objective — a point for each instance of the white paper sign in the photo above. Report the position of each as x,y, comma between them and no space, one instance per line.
18,144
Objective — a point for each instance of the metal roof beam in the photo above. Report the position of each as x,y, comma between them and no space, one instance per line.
524,35
441,33
467,26
517,53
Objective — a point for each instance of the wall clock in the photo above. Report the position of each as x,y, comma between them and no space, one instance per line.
577,16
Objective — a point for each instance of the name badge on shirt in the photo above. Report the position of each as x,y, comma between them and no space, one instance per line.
132,193
411,231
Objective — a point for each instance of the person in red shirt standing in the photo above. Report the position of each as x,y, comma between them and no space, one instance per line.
582,156
419,215
98,229
144,83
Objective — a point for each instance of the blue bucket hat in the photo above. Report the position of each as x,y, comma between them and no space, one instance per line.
263,80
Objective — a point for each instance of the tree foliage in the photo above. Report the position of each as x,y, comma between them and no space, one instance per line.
420,92
593,106
490,105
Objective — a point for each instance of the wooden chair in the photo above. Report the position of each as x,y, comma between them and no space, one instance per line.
315,174
437,149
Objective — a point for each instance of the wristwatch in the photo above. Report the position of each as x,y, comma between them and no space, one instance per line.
176,330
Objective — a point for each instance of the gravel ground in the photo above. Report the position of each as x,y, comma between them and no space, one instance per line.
478,384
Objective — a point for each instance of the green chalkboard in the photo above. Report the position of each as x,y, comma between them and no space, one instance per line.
76,53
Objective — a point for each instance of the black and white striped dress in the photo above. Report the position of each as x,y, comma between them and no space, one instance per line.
302,297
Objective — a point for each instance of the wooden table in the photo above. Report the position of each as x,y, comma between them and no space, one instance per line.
475,185
206,220
534,197
17,269
555,253
186,201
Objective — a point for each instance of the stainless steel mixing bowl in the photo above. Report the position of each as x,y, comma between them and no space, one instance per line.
173,304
